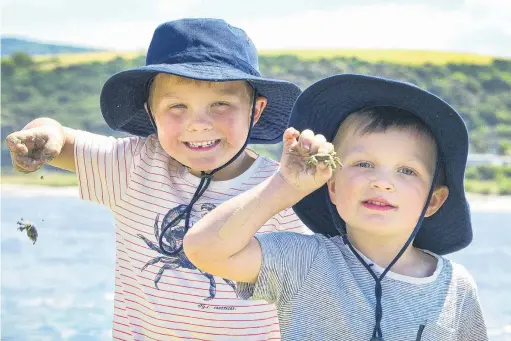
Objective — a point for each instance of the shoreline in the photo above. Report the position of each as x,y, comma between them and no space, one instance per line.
478,202
30,190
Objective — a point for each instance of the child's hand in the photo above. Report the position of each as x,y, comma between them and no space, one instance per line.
296,166
32,148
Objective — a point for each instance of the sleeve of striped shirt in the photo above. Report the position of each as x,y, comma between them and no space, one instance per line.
287,258
472,326
103,166
288,221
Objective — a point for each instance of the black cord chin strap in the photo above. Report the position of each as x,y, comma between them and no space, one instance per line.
377,332
203,185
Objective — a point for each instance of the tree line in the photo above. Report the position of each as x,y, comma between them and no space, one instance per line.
70,94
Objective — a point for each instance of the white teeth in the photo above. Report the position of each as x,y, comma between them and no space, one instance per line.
376,203
201,144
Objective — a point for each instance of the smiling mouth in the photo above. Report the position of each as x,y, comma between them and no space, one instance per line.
202,145
378,205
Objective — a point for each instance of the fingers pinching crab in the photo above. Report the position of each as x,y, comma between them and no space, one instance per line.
29,228
330,159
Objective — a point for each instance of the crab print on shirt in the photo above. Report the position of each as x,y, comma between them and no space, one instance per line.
172,240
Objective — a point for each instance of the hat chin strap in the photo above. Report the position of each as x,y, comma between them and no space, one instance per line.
203,185
377,333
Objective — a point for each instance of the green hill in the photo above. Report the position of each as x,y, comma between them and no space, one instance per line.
69,92
12,45
396,56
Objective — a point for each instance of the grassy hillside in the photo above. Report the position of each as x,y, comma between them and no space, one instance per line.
68,59
395,56
67,88
12,45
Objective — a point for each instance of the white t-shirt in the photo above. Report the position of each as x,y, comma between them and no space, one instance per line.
159,297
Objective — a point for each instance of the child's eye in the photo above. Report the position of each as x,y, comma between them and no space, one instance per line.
407,171
177,106
220,104
364,164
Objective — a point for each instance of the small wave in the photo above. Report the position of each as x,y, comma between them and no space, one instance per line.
109,296
483,203
504,330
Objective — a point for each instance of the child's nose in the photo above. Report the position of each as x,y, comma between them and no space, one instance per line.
382,185
199,121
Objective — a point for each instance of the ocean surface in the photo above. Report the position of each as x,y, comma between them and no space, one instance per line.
61,288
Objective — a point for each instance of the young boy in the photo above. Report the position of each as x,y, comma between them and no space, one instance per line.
403,153
193,108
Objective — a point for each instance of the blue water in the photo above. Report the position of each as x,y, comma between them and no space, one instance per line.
61,288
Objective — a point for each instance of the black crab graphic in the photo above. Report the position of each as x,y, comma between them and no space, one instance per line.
173,239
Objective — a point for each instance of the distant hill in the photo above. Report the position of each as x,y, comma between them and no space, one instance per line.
11,45
395,56
45,54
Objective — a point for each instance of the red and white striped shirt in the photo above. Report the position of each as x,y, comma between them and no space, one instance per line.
159,297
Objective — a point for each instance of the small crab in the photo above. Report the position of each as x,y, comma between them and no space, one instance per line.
30,228
330,159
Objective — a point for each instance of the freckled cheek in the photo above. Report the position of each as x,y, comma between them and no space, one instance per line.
413,196
353,179
413,187
169,130
170,123
233,127
348,189
345,203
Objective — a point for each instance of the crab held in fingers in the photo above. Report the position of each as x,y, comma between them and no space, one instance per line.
330,159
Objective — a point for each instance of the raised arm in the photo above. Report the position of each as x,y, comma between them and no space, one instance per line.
42,141
222,243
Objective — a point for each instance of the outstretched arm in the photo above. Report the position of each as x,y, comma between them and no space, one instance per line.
222,243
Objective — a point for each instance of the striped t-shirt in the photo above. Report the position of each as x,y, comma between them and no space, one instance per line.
323,292
159,297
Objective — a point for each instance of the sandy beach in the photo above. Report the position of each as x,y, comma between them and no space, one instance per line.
478,202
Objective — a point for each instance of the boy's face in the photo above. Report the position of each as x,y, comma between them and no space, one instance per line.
202,124
386,178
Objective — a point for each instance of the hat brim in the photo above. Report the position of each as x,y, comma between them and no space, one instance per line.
324,105
124,94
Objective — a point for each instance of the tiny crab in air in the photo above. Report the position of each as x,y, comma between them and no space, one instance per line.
29,228
330,159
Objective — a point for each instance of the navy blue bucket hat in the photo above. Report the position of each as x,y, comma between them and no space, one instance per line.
324,105
201,49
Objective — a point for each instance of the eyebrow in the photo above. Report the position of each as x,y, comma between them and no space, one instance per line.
232,91
222,92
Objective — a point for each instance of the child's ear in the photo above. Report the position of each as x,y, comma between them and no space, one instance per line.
438,198
260,105
331,189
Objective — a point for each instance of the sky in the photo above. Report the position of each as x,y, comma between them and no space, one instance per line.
477,26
